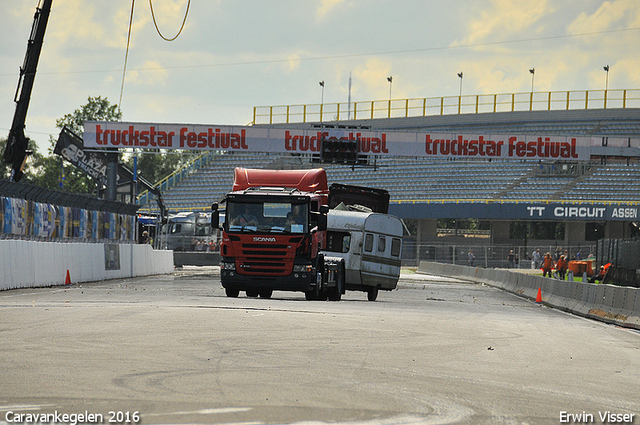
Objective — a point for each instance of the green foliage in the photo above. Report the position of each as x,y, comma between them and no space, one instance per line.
549,230
467,224
53,173
96,109
155,165
5,169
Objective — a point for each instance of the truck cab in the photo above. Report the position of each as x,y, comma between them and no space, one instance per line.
274,229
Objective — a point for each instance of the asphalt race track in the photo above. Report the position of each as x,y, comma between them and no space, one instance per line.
174,349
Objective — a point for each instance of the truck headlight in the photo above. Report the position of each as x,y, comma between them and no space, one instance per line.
302,268
228,266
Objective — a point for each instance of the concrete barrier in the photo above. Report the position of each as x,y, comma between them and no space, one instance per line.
28,264
607,303
182,258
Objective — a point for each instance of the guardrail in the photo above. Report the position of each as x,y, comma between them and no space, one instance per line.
448,105
607,303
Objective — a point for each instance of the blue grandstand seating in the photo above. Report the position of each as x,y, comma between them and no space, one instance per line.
423,179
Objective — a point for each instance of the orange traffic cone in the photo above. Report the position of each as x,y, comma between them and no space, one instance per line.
68,279
539,296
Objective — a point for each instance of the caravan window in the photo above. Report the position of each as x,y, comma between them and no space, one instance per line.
395,247
368,242
382,244
338,241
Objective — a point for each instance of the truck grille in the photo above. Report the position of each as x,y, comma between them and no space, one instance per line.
264,259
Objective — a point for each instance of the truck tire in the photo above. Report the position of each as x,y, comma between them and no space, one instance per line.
266,293
232,293
317,293
335,294
252,293
372,293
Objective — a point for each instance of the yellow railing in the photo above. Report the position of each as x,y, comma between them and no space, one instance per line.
448,105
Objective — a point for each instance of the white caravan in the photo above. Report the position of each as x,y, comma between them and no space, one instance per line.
370,244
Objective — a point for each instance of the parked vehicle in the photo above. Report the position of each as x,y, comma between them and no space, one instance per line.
188,231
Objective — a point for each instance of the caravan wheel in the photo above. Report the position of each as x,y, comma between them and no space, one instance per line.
335,294
372,293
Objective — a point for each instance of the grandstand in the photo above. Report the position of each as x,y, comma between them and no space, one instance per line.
612,176
498,191
420,179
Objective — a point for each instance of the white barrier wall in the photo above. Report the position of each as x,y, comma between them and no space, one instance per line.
26,264
608,303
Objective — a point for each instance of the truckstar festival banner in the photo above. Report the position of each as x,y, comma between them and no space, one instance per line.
308,141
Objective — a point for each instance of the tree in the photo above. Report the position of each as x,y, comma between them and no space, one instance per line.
51,171
157,164
5,169
96,109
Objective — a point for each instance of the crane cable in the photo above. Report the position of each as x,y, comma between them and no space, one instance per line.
156,24
126,55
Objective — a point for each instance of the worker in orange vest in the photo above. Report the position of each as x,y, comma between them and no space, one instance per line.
547,265
561,267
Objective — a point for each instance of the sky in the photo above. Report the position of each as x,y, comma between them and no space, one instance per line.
233,55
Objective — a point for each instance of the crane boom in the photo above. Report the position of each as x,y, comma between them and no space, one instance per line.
16,152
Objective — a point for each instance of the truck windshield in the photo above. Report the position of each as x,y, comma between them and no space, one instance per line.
267,217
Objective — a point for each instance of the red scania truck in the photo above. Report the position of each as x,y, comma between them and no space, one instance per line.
274,231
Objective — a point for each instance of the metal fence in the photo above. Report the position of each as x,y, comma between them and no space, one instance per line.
488,255
35,213
624,254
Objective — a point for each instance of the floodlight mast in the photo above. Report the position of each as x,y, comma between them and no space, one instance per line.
16,152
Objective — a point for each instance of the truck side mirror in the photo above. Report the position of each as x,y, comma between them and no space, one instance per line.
321,218
322,222
215,216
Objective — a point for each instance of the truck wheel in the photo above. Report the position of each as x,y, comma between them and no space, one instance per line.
252,293
372,293
232,293
266,293
317,293
335,294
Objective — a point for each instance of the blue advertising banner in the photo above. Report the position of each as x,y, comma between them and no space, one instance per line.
517,211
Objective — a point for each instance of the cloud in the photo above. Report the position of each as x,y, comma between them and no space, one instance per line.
504,19
373,76
610,15
151,73
326,6
292,63
78,24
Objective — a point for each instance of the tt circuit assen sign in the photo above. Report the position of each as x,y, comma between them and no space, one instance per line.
590,212
383,143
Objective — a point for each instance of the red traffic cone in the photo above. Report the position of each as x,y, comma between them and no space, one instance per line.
539,296
67,281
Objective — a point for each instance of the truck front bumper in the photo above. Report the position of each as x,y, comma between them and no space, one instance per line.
296,281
